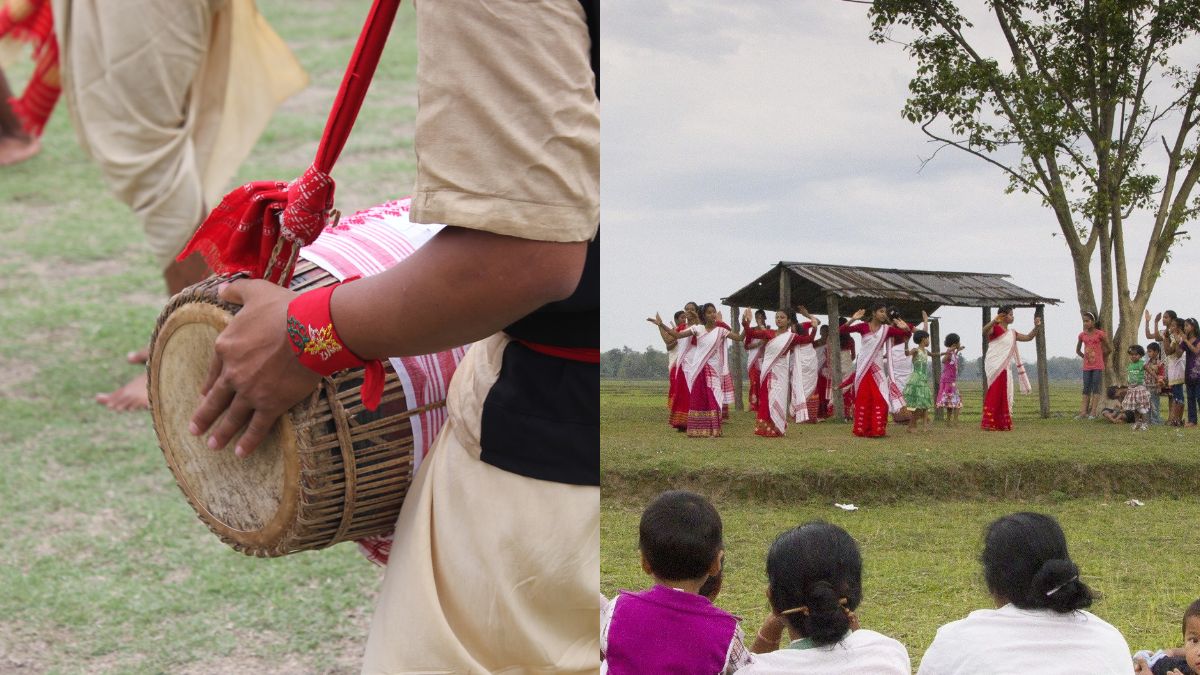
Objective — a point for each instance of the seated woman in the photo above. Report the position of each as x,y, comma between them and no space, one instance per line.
814,577
1039,624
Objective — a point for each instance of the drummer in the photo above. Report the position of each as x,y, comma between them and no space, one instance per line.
507,140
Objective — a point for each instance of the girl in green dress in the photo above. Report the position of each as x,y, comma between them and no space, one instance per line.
918,396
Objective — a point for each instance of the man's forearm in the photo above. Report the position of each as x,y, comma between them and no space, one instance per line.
461,286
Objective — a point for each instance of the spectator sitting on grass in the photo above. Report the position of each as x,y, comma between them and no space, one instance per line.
672,627
1040,625
1179,661
1113,411
814,585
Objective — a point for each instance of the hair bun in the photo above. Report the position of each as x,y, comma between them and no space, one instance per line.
1057,586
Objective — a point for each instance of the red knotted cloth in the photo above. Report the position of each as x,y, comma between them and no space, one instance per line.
260,227
31,21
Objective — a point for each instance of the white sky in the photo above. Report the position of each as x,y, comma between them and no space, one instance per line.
736,135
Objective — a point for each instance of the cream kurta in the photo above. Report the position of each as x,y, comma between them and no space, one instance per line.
158,103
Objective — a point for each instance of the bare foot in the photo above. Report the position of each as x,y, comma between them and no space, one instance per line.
14,150
130,396
140,357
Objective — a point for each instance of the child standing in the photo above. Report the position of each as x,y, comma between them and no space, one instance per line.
671,628
948,396
1137,398
1155,377
1093,347
918,397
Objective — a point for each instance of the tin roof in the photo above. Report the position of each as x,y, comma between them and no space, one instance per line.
910,291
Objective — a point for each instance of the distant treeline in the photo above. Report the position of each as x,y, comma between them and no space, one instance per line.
626,364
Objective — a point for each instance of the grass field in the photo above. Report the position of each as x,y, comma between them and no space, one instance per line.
924,500
103,566
1058,457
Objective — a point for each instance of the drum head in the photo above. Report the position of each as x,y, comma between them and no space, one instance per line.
250,503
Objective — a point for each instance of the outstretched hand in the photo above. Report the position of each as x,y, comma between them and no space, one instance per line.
858,315
254,376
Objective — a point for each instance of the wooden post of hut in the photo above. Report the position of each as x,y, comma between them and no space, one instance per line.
833,350
935,344
1043,373
785,290
735,363
987,316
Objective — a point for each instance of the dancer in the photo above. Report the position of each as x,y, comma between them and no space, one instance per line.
1093,347
703,366
678,396
918,397
1001,355
754,353
824,374
876,393
671,345
948,396
847,354
777,384
22,118
168,98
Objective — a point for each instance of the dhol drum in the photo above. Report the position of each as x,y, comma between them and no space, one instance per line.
329,471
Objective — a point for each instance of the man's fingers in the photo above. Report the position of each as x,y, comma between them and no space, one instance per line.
211,406
214,371
235,418
260,425
237,291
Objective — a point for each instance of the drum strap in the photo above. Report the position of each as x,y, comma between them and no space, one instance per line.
260,227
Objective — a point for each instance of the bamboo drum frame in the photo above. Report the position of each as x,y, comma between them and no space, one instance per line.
329,471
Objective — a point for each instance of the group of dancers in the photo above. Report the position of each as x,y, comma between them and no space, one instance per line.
791,375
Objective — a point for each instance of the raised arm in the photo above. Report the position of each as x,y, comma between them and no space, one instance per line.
668,331
1037,328
987,327
1156,335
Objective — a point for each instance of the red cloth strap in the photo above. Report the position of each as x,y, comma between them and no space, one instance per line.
260,227
584,354
317,344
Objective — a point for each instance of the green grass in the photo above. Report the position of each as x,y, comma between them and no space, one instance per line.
640,455
103,566
920,560
924,500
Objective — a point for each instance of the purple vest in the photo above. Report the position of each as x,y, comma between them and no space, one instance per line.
664,630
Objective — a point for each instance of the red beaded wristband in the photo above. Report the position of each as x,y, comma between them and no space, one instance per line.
316,343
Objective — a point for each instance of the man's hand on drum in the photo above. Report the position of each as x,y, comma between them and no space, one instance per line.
254,377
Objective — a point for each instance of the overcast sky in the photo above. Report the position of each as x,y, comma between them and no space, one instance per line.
736,135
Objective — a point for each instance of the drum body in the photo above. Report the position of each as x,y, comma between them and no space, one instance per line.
329,471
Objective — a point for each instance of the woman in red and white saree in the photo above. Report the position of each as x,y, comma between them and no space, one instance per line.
702,367
755,342
677,391
671,345
1001,355
787,378
876,393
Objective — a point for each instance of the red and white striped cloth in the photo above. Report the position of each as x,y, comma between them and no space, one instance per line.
367,243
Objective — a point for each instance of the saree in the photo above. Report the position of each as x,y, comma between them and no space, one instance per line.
703,370
997,402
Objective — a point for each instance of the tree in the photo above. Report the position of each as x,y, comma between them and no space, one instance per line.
1070,116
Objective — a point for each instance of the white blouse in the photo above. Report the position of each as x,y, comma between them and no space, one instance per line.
863,651
1027,641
